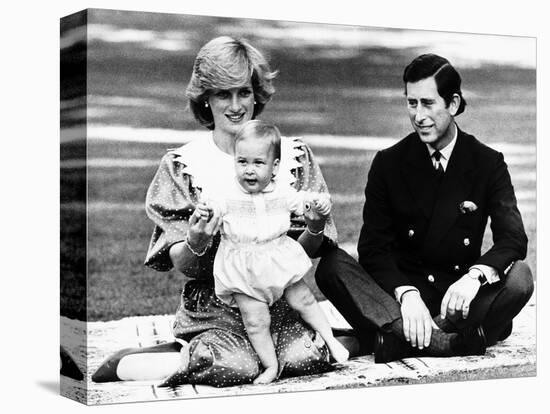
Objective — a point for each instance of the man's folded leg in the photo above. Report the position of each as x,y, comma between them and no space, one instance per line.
498,304
376,316
360,300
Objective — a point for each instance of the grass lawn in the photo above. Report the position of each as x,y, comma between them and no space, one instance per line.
350,94
119,231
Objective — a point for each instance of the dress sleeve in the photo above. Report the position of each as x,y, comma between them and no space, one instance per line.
169,203
309,178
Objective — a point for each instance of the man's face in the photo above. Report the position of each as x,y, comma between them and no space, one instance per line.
430,116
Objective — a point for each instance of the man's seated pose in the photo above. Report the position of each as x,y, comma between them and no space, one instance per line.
428,200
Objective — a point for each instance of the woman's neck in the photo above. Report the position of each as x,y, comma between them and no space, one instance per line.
224,142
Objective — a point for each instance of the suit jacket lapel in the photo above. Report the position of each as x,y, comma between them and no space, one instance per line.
455,188
418,173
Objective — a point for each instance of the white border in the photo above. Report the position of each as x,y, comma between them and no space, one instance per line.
30,214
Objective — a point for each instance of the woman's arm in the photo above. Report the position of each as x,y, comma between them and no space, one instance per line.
201,230
182,257
315,207
310,178
171,204
312,237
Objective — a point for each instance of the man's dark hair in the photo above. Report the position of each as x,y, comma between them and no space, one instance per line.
446,77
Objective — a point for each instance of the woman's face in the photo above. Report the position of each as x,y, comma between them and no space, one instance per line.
231,108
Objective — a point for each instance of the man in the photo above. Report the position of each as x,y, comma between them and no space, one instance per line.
428,200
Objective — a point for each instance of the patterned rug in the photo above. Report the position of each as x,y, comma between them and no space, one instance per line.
513,357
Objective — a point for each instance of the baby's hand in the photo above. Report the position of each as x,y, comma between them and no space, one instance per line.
321,203
318,203
204,211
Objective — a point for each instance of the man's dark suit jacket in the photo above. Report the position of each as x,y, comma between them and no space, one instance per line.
414,232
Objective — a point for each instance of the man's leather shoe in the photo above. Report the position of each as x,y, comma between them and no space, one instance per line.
506,332
388,348
471,341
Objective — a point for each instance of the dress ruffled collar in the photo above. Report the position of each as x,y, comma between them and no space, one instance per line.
209,167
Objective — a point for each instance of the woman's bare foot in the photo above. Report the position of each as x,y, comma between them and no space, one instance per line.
338,351
269,375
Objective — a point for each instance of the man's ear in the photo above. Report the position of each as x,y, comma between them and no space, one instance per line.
454,104
275,167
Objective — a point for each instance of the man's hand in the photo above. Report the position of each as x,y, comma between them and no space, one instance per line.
417,322
458,297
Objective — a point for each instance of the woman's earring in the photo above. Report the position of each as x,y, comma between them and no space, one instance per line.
205,104
254,102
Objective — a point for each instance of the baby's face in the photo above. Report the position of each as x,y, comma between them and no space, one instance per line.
254,164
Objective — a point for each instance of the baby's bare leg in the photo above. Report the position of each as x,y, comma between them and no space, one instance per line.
300,298
257,322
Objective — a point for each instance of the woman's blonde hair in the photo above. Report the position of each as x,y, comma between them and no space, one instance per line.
225,63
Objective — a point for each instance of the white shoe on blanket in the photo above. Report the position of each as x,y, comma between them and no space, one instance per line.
180,375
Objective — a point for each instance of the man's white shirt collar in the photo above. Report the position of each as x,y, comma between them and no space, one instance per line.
445,152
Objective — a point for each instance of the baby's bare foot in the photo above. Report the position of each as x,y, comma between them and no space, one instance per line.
338,351
267,376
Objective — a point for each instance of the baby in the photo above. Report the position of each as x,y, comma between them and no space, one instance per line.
256,262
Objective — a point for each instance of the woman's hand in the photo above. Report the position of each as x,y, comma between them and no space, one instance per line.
316,211
203,224
312,238
315,222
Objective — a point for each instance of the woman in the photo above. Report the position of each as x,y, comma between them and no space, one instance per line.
231,83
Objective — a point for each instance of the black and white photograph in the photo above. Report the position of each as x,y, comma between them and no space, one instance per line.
261,206
267,207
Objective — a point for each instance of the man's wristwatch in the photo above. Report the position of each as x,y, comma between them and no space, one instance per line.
477,275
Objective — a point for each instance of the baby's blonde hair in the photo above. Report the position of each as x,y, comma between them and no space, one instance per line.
261,130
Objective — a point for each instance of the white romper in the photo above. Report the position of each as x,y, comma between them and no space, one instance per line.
255,256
